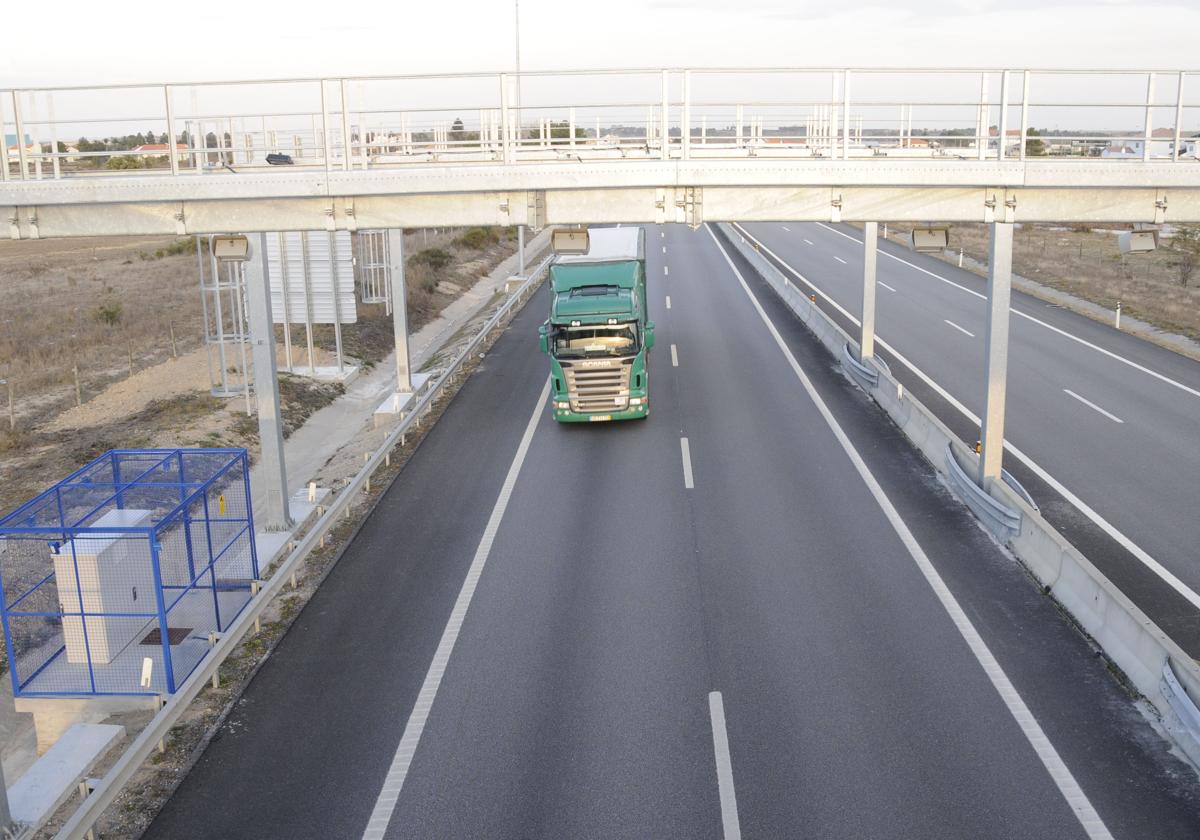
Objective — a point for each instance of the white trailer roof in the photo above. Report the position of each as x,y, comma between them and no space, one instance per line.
609,244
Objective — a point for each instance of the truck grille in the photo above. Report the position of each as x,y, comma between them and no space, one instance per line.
598,385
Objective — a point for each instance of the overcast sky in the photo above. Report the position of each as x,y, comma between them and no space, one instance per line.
74,42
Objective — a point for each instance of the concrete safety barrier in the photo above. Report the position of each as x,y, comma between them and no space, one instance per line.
1153,664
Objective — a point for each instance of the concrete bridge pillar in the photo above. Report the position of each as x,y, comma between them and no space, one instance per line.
999,293
266,385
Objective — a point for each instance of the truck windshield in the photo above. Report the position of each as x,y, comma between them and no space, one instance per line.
620,340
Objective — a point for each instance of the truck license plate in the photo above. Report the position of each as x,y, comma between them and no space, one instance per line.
598,417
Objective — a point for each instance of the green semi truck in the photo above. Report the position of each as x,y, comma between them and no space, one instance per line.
598,335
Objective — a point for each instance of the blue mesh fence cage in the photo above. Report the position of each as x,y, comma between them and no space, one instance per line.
126,568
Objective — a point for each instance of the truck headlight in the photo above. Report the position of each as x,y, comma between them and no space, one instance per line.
636,400
558,404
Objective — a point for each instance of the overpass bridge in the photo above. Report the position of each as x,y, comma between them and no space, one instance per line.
653,146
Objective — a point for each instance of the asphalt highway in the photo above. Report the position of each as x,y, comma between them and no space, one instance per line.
755,614
1104,416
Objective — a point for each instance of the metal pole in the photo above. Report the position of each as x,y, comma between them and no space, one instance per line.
337,308
6,820
505,120
1149,117
846,115
347,143
171,150
395,257
665,152
284,293
325,128
740,119
999,291
866,342
521,250
22,152
686,128
1175,150
4,173
1003,112
1024,111
54,161
266,385
981,121
308,306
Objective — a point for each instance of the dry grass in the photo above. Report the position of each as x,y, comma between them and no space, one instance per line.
86,302
1087,263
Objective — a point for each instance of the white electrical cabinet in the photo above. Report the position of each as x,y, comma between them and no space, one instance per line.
115,575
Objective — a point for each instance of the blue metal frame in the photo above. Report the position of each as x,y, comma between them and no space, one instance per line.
201,571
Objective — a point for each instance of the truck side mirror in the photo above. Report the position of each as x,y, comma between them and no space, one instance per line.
544,338
649,335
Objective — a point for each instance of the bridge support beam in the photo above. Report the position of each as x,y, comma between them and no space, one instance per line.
266,386
866,340
999,292
395,251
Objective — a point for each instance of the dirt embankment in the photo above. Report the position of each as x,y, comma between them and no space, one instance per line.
92,303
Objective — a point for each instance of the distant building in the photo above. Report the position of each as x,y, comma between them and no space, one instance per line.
1162,144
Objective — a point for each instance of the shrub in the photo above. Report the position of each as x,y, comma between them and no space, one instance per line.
435,258
127,162
477,238
108,314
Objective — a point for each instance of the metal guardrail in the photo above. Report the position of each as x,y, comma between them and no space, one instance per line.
114,781
1000,519
674,113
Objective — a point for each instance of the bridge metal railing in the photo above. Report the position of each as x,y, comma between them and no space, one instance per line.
648,114
81,823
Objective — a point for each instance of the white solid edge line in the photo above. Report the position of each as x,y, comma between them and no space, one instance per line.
957,327
1083,507
686,452
1076,799
729,812
839,259
668,301
1194,392
885,285
674,357
1093,406
389,795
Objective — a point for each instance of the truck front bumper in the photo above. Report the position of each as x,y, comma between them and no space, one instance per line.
565,415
